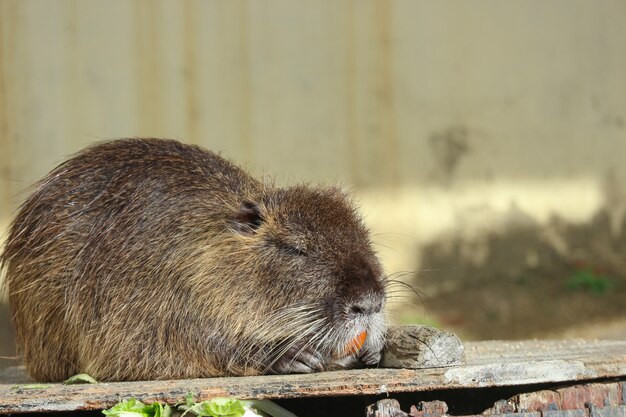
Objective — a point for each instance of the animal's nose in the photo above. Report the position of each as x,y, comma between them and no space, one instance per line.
367,306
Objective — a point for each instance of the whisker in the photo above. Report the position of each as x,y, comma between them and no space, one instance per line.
286,346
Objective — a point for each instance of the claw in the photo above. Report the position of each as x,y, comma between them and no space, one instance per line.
370,357
299,360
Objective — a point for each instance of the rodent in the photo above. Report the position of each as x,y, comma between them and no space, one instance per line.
142,259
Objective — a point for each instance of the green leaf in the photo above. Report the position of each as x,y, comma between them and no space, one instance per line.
159,410
189,402
217,407
135,408
80,379
129,408
588,280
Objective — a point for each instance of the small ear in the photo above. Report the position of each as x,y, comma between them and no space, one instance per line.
248,219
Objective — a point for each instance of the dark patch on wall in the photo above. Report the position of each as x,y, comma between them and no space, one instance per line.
448,147
527,280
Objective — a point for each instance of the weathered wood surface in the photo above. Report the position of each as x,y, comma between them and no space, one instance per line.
418,347
488,364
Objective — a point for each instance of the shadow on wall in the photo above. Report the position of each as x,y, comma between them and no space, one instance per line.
528,279
7,344
7,335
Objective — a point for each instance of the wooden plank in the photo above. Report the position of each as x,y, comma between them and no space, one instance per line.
489,364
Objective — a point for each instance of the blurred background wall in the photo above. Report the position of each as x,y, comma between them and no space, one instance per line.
484,140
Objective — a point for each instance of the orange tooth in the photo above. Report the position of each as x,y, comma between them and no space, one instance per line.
355,344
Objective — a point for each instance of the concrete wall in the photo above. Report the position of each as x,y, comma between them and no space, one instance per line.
440,115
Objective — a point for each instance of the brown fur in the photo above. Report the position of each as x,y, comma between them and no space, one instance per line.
151,259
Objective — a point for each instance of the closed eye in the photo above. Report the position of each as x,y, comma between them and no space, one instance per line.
290,249
293,251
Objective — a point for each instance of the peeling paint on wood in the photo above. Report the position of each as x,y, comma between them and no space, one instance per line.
565,413
573,401
591,396
429,409
608,411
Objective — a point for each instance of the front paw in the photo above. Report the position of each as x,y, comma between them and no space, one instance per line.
370,356
298,360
